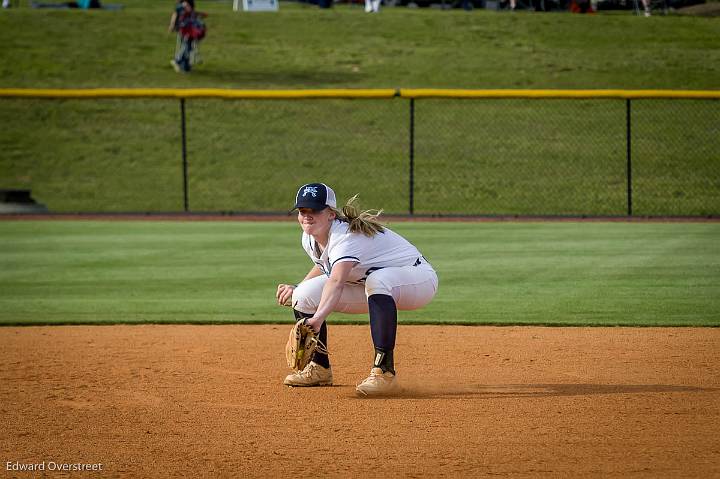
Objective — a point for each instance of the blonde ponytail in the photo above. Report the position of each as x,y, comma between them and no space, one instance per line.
365,222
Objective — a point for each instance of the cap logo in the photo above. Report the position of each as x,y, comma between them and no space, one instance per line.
310,189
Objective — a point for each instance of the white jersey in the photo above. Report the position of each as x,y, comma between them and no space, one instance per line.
386,249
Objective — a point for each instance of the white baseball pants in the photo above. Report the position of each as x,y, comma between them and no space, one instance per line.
412,287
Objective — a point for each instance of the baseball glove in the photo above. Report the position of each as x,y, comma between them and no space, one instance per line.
301,346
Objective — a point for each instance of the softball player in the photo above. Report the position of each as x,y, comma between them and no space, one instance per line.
360,266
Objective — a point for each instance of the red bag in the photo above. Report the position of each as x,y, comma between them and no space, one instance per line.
192,27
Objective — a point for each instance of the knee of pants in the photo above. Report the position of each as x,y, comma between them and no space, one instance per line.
304,299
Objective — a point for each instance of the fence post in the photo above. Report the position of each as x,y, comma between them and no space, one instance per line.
628,141
184,154
412,156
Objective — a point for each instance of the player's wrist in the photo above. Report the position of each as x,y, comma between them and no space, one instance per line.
315,323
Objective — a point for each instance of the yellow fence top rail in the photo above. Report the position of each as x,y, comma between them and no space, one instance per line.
194,93
619,94
349,93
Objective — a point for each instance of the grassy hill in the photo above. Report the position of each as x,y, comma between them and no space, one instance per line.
306,47
498,157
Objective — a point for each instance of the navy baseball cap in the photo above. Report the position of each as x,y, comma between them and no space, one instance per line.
317,196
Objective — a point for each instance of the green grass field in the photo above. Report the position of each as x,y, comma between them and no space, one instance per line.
500,157
630,274
305,47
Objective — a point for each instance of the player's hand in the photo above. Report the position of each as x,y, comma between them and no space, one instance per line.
314,323
284,294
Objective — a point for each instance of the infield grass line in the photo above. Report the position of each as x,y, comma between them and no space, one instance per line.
545,273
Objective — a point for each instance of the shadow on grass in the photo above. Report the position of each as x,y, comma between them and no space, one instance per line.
272,78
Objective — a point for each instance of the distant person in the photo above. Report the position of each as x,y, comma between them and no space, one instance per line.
84,4
191,30
646,6
503,4
173,27
581,6
6,4
372,6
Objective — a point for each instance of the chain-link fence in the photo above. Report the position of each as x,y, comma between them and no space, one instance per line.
429,156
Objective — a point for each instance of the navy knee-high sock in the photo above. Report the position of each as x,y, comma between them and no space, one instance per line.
383,328
319,358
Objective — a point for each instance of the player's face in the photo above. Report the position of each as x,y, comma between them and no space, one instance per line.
316,222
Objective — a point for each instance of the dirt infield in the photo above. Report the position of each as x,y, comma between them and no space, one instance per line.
158,401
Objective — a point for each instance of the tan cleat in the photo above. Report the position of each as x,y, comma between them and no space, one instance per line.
312,375
379,383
